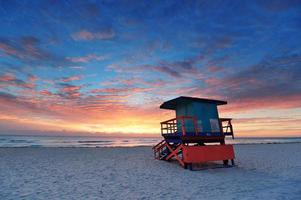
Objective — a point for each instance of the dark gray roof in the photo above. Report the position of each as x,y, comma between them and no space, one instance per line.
172,104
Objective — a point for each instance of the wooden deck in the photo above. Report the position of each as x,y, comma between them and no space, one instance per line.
194,139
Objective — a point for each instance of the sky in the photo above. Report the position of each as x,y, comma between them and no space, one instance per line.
104,67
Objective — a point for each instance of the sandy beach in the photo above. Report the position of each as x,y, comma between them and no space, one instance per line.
264,171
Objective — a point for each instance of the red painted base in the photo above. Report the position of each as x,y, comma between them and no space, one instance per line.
198,154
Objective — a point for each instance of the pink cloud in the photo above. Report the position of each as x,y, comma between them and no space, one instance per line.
215,68
69,91
11,80
9,50
28,49
86,58
32,78
70,88
212,81
7,78
46,93
87,35
77,67
109,90
70,78
120,90
82,35
132,81
238,105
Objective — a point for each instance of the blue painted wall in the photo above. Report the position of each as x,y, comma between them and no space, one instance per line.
206,114
185,110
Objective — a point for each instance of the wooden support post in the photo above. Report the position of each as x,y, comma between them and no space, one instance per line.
221,126
174,153
196,128
231,129
183,126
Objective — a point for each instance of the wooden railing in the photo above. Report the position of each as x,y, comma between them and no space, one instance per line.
171,126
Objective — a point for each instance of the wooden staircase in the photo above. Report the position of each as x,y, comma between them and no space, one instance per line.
165,151
160,150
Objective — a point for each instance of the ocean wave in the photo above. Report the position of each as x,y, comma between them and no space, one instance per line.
94,141
21,141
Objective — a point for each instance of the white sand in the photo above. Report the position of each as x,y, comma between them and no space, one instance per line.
264,172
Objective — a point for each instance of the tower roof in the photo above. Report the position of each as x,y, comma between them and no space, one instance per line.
172,104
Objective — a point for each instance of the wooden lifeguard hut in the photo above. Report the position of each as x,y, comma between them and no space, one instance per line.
196,134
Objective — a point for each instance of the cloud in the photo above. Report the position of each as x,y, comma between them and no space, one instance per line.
7,96
28,50
24,48
279,5
133,82
120,90
155,83
272,83
85,35
46,93
209,45
153,61
66,106
69,91
175,69
70,88
30,41
110,90
86,58
167,70
32,78
276,77
7,80
215,63
71,78
77,67
19,106
215,69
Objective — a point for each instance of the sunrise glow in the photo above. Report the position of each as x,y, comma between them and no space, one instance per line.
106,68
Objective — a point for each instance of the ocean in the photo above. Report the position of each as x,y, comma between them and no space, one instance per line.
97,141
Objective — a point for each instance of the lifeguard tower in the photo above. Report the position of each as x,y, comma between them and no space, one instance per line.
197,134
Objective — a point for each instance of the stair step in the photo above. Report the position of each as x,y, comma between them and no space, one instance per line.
163,156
